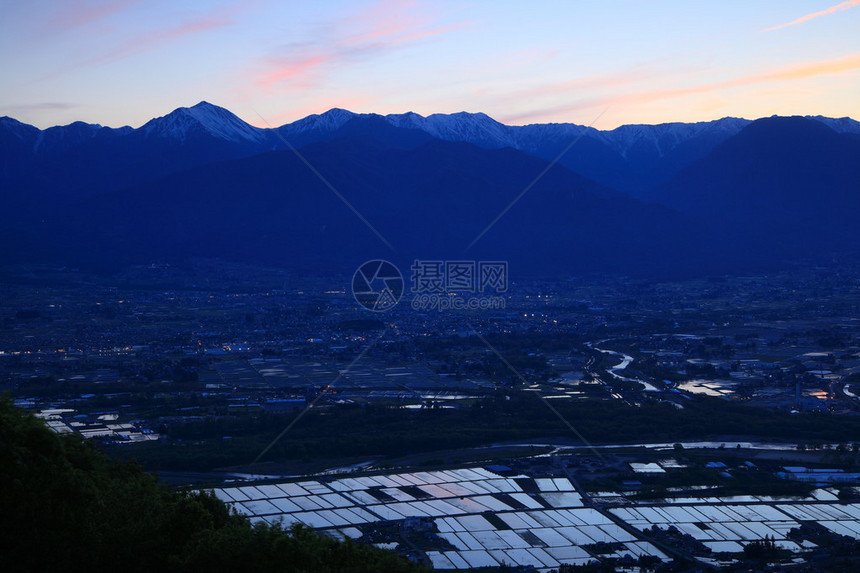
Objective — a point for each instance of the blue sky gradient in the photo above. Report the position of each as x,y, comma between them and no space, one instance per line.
123,62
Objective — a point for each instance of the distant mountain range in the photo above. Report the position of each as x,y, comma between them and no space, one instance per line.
675,198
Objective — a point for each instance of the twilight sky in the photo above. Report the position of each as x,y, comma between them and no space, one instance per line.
123,62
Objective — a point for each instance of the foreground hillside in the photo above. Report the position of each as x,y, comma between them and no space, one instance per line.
66,507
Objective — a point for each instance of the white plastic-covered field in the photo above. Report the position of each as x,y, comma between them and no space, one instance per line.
485,519
398,496
539,522
727,527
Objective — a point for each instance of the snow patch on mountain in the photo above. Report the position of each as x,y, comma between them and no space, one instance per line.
477,128
635,142
665,137
203,118
482,130
533,136
838,124
332,120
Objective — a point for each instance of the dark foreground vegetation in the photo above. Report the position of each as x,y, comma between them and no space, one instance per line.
66,507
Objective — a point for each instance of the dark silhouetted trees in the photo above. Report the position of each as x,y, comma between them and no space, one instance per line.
64,506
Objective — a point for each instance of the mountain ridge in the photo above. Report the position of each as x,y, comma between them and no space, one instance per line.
633,158
458,126
713,196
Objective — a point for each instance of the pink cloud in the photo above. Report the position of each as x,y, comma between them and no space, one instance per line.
386,26
294,68
591,87
848,63
76,14
789,73
837,8
593,82
550,112
220,17
80,15
145,42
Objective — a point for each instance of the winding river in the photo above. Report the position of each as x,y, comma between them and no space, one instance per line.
625,362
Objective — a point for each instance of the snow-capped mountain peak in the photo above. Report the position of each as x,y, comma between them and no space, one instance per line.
478,128
203,118
331,120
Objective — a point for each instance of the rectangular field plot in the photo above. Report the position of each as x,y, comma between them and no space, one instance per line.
727,527
488,519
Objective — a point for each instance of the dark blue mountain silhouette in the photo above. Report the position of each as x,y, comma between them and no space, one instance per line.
429,202
201,182
783,185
